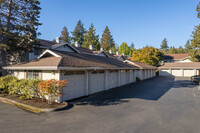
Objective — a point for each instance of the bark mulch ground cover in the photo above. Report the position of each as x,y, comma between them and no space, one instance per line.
36,102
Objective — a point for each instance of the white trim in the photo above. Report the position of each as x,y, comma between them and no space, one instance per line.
67,45
48,51
104,53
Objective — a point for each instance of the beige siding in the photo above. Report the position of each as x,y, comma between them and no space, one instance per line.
64,48
19,74
46,75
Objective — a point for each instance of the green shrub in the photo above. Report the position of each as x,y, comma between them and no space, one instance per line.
137,79
5,81
27,88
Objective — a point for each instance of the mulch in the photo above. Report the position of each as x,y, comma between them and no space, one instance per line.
36,102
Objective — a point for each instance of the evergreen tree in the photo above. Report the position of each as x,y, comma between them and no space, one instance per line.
187,46
78,33
124,49
107,41
172,50
195,45
65,35
198,10
90,38
132,46
19,21
164,46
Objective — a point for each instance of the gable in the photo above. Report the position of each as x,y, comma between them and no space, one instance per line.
64,48
102,54
121,58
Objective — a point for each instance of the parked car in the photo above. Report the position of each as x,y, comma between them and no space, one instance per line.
195,79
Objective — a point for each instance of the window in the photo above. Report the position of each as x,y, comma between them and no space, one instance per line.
32,74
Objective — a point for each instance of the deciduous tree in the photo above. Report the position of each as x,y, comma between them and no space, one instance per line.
172,50
149,55
124,49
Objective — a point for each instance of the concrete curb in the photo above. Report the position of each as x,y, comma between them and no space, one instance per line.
31,108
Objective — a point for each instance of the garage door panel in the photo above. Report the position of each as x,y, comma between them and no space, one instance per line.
74,89
112,80
188,73
176,72
123,78
97,83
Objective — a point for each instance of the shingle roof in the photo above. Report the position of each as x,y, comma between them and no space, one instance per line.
175,56
87,60
84,50
141,65
181,65
71,59
46,43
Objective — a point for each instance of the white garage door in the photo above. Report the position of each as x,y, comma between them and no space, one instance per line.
96,82
143,73
188,73
164,72
176,72
112,79
76,84
123,77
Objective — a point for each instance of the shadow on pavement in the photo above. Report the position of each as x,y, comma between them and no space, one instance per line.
150,89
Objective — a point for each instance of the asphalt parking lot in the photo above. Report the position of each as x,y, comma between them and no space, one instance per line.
157,105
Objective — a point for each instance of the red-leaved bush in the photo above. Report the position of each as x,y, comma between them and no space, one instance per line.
51,88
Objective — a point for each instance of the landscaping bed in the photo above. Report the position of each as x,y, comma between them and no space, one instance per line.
36,102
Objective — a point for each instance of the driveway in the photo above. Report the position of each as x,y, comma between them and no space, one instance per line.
158,105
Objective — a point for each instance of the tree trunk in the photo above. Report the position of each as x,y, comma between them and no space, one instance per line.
3,62
3,52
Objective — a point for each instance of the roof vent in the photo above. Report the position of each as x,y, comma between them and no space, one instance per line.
77,44
102,49
110,51
58,40
91,47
